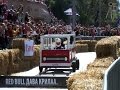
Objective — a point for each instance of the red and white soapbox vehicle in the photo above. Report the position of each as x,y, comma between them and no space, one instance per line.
58,51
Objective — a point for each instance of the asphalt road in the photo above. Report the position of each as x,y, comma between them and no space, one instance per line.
84,59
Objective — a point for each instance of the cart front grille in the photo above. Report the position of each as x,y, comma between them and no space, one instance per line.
58,58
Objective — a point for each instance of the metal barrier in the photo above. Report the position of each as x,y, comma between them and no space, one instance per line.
112,76
90,37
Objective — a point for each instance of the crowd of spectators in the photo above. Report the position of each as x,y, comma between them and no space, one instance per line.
14,23
105,30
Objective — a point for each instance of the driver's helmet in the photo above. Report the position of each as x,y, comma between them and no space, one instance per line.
58,42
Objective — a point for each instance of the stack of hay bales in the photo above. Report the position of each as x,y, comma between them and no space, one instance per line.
84,81
33,60
81,48
101,62
108,47
36,55
91,44
28,62
14,60
9,59
18,43
92,78
107,51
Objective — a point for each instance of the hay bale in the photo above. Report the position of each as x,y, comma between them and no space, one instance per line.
14,55
108,47
17,62
119,52
80,81
24,65
116,39
34,60
18,43
70,81
96,72
14,60
91,44
3,62
37,51
6,61
101,62
87,84
81,48
92,78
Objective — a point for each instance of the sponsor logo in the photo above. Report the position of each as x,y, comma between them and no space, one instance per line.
31,81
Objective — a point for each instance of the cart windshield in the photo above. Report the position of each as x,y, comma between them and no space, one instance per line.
55,43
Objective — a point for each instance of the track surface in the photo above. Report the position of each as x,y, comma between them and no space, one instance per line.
84,59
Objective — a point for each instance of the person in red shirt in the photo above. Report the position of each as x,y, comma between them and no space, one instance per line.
9,34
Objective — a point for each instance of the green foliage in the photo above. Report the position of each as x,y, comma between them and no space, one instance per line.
87,9
58,7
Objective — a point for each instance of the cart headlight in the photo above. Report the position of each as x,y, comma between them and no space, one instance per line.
65,58
44,58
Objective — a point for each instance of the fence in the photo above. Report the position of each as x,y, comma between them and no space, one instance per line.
90,37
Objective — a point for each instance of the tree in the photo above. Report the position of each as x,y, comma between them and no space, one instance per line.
88,10
58,7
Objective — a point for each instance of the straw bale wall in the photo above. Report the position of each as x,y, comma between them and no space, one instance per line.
18,43
91,44
9,59
92,78
30,61
33,60
81,48
107,50
101,62
4,62
13,60
108,47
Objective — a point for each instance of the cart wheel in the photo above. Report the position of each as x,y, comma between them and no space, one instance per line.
40,69
77,64
74,66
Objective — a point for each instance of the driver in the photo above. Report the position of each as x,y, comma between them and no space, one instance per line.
58,43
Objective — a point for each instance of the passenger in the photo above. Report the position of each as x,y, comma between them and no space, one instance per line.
59,44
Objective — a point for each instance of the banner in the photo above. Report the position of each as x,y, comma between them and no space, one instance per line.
35,81
29,48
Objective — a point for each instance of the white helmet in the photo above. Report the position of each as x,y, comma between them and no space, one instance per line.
58,42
